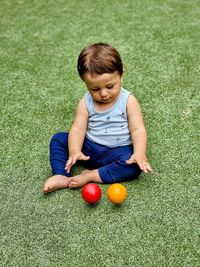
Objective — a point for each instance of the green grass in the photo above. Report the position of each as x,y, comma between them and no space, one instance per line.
159,223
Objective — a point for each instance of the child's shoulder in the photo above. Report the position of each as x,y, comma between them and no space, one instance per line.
128,93
81,110
125,92
81,103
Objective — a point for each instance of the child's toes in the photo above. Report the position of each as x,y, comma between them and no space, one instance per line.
73,185
45,189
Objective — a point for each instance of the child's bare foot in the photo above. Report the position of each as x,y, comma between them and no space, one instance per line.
78,181
84,171
84,178
56,182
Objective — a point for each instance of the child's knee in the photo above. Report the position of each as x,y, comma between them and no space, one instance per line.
133,172
61,137
119,172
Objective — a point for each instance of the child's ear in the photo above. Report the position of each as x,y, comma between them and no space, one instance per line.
124,72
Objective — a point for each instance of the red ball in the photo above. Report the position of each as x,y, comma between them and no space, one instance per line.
91,193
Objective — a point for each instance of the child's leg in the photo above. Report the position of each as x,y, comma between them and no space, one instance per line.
111,167
92,175
59,153
117,170
58,159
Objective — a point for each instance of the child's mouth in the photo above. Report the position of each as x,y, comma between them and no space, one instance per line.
105,99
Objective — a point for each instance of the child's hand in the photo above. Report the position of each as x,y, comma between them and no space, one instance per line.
73,157
141,160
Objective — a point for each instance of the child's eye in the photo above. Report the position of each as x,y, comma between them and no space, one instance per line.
94,89
110,86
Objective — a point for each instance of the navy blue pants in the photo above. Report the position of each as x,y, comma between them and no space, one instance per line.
110,162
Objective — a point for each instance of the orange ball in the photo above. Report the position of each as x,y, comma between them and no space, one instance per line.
117,193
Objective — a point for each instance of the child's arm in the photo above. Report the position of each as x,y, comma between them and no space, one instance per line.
138,135
77,135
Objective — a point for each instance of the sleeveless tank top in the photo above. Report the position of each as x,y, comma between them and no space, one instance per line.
110,127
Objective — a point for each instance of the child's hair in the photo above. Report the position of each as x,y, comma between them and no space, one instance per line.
99,58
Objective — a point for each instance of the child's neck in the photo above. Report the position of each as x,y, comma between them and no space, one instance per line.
100,106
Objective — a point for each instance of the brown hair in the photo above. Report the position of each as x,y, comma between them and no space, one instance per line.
99,58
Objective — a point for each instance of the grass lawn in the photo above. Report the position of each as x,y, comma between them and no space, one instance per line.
159,224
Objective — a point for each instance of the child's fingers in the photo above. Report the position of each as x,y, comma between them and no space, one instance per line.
67,168
70,163
131,160
149,168
83,157
145,166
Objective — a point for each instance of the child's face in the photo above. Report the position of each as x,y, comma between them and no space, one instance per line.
104,88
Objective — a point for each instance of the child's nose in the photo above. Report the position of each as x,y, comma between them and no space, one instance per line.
103,92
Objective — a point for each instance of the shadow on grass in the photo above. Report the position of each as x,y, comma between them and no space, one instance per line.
118,207
89,206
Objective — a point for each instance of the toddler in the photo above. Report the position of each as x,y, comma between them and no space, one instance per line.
108,135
